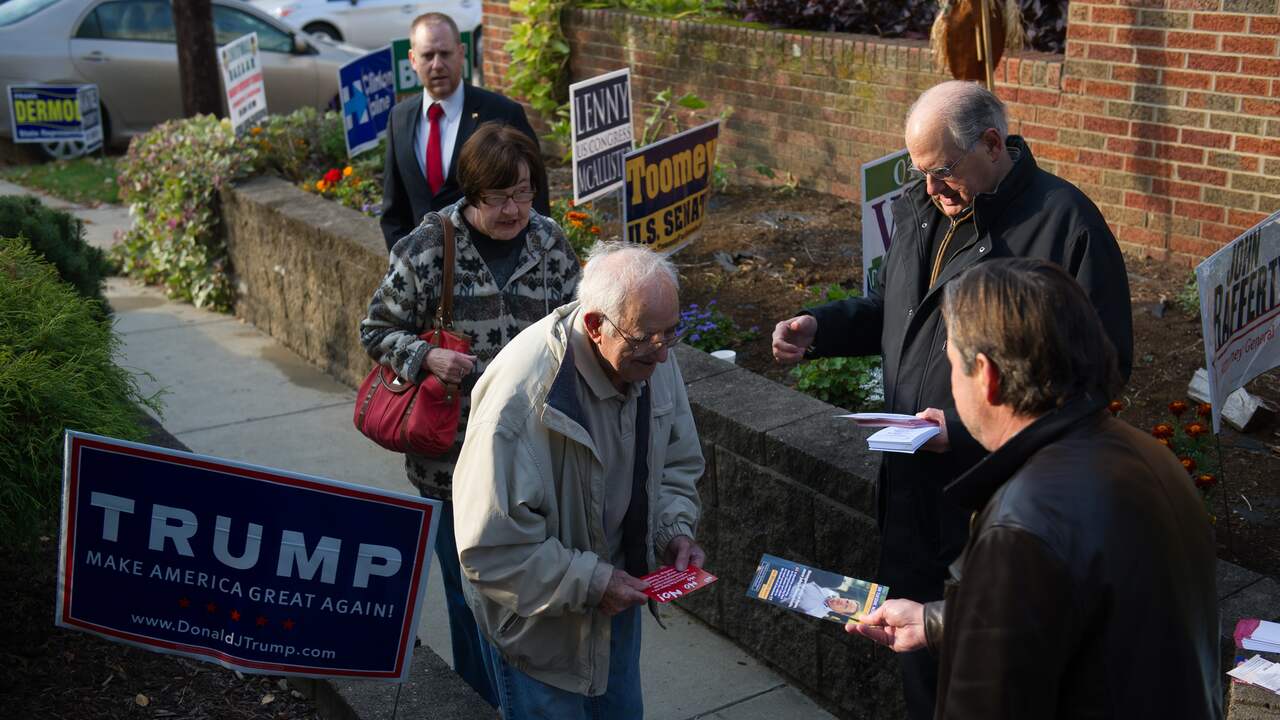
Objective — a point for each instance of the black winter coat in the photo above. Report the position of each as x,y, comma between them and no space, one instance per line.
1031,214
1088,587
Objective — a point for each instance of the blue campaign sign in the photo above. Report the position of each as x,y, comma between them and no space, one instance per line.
55,113
255,569
367,86
666,186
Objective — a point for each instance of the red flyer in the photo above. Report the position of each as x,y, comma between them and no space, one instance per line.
667,583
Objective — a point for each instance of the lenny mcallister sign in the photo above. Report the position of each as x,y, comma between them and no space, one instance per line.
254,569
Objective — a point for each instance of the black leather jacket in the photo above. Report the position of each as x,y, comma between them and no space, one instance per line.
1087,587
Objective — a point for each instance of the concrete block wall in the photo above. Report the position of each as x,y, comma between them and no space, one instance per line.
783,476
1166,112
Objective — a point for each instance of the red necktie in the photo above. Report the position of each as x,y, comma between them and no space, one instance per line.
435,166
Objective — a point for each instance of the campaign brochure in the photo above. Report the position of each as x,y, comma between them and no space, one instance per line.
816,593
900,439
888,420
667,584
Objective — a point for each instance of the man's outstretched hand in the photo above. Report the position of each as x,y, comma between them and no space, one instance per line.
897,624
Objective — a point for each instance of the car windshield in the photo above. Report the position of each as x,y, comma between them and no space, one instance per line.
17,10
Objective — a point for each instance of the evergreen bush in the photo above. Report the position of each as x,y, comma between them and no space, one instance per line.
57,372
59,238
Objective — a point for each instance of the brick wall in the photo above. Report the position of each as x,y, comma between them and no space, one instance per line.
1166,112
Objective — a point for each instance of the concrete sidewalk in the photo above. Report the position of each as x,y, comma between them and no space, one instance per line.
232,392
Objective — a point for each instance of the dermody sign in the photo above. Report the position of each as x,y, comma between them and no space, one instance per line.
1240,310
254,569
56,113
600,118
882,182
368,91
667,186
242,80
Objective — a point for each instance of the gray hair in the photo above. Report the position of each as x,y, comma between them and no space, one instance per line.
967,109
617,270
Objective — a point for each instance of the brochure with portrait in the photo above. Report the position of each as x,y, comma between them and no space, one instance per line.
813,592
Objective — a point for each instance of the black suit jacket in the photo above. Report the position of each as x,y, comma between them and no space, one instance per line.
406,198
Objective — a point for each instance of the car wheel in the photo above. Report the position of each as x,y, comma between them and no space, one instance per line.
62,149
324,29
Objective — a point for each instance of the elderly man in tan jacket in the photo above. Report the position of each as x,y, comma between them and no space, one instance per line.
578,476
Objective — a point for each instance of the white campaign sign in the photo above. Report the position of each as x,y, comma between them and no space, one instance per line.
882,182
600,122
1239,310
242,79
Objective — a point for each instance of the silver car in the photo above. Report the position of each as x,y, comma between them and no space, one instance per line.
127,48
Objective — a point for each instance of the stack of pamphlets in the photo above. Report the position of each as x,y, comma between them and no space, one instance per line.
816,593
1257,671
1264,637
901,433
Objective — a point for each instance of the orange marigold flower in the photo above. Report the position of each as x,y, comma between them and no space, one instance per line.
1195,430
575,215
1204,410
346,171
1188,464
255,131
570,202
321,185
1115,407
595,229
1177,407
1162,431
576,223
1206,480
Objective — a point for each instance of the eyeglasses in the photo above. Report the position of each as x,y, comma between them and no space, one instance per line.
939,173
497,200
644,346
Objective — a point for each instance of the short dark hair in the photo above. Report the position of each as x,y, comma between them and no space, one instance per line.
491,158
1037,327
435,18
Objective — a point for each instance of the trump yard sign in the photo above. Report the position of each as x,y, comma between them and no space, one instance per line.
254,569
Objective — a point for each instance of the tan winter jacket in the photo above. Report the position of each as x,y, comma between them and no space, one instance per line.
528,498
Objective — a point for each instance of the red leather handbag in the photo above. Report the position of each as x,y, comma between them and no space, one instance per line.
419,418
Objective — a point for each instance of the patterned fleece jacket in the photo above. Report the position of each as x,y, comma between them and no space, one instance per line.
405,304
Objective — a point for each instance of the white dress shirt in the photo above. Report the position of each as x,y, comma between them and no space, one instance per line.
450,123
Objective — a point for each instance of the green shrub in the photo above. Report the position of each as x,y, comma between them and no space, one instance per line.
853,383
59,238
171,178
56,372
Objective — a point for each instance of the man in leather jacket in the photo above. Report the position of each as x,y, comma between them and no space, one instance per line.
980,196
1087,586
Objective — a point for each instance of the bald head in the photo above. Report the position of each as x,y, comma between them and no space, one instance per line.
959,110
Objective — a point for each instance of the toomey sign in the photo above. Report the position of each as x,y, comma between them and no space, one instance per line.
666,187
254,569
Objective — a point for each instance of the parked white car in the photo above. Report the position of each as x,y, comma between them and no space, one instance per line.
368,24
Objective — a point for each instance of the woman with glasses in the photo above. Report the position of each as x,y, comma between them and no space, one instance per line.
512,267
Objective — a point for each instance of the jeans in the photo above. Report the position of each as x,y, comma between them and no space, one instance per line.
524,698
468,657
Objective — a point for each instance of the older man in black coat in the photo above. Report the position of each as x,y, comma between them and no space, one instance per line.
978,195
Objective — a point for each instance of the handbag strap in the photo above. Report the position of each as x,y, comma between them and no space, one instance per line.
444,314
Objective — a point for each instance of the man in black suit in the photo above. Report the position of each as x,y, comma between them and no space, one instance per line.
425,133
